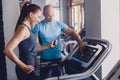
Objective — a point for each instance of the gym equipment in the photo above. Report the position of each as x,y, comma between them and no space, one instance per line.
114,73
80,65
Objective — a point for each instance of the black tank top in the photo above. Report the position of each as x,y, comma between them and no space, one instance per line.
27,49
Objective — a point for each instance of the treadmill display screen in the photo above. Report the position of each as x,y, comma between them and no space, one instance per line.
86,54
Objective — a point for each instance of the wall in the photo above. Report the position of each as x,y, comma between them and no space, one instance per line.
93,18
64,11
10,16
110,29
102,21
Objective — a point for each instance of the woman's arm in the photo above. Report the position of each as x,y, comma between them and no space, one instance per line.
13,43
75,36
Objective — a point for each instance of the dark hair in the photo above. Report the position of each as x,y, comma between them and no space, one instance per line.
26,9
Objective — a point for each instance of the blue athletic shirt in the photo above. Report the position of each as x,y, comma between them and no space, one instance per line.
48,32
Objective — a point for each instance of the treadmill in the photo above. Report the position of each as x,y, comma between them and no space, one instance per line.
83,65
114,73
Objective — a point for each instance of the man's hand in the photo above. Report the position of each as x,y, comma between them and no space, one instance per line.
53,43
82,45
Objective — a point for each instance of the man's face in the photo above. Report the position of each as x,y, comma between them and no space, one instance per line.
49,14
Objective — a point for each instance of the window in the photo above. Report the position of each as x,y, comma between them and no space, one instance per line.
76,10
56,4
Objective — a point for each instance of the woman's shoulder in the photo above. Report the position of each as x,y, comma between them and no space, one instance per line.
22,29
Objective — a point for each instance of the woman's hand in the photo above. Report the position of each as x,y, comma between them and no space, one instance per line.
28,69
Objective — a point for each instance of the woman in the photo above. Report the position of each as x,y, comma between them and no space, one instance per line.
26,42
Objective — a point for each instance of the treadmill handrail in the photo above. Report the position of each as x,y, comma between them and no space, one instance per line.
65,46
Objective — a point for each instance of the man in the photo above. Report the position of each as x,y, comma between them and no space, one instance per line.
48,31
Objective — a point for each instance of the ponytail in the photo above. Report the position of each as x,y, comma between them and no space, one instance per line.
26,9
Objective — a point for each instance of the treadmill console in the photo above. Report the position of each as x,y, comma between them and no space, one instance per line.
88,54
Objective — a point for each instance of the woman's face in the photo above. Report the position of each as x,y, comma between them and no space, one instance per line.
35,17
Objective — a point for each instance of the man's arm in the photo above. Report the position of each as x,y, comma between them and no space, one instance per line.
75,36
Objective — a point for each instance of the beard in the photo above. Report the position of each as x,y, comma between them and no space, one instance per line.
50,19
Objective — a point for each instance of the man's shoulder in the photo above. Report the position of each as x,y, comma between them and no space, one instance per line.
58,22
41,22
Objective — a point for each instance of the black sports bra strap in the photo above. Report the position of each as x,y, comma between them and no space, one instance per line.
26,26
